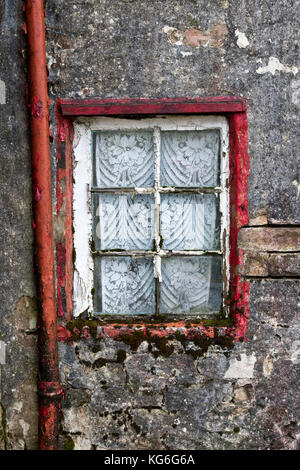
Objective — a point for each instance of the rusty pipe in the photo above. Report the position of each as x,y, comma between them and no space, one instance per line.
49,388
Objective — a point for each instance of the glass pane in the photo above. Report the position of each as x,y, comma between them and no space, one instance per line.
124,285
123,159
123,221
191,284
190,222
190,158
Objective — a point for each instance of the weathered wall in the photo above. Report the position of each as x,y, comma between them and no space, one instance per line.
149,395
199,397
18,421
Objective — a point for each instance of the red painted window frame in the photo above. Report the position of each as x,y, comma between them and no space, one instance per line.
235,109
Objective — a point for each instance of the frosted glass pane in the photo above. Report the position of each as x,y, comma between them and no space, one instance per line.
123,221
123,159
124,285
190,158
191,285
190,222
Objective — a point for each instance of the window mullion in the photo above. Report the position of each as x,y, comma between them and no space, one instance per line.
157,258
156,188
123,190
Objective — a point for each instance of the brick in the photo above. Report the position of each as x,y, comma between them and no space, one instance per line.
276,265
255,264
268,239
259,220
284,265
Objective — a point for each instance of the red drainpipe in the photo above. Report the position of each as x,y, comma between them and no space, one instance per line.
49,387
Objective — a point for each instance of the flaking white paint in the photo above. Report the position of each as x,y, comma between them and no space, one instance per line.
185,54
275,65
83,269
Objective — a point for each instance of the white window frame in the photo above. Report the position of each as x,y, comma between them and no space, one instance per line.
82,207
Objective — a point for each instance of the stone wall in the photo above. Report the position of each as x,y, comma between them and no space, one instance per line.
174,394
18,411
191,394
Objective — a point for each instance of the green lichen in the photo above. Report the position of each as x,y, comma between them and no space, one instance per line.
132,339
162,347
193,21
69,443
159,320
203,342
80,324
158,345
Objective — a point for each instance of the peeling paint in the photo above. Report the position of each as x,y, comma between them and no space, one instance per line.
63,220
157,268
36,107
239,171
242,40
297,186
192,37
82,222
275,65
242,368
186,54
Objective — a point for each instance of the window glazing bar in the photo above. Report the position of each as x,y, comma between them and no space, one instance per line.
160,253
171,189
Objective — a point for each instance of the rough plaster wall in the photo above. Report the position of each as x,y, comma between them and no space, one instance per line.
18,421
243,398
246,397
119,49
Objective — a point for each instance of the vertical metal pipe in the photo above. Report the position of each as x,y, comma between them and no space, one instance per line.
49,387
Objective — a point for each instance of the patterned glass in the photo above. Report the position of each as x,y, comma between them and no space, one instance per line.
124,159
123,221
191,284
190,222
124,285
190,158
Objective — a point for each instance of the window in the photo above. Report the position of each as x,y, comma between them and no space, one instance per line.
151,215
